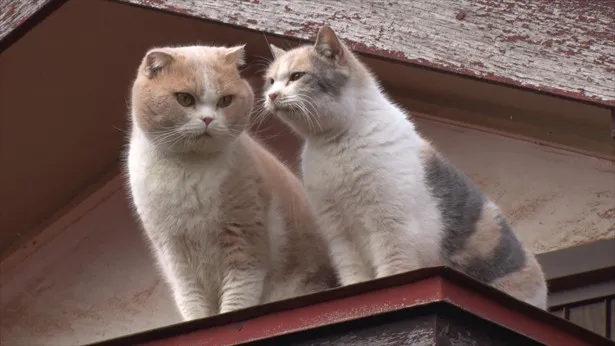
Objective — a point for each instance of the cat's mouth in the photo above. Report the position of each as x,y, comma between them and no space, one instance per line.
280,107
203,134
276,105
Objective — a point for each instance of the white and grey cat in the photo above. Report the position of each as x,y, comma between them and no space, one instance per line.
387,201
230,225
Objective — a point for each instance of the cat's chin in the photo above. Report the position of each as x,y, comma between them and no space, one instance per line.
203,135
275,108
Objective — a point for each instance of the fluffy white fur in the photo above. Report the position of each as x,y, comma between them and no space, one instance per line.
229,224
177,205
364,166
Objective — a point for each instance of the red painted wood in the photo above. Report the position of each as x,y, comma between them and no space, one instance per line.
495,311
400,292
312,316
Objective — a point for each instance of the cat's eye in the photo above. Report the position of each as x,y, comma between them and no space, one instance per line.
296,75
225,101
185,99
270,80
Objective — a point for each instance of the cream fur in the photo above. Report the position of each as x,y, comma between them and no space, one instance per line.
230,226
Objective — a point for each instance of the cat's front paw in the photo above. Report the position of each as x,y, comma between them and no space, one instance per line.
190,313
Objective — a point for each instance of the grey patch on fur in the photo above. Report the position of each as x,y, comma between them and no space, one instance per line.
507,257
461,204
326,78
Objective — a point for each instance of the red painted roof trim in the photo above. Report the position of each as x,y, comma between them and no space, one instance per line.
405,291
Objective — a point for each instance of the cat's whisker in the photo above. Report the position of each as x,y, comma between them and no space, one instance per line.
176,141
302,102
236,128
270,137
163,133
312,111
168,140
260,69
260,114
169,136
286,45
301,108
260,58
120,130
259,63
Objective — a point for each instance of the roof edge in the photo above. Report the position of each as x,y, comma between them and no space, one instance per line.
11,32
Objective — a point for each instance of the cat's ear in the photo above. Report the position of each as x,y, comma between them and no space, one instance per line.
155,61
236,55
328,45
276,51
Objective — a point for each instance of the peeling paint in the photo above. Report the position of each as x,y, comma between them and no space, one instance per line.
559,47
13,13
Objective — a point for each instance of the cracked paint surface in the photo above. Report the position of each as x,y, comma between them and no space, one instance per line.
14,13
557,46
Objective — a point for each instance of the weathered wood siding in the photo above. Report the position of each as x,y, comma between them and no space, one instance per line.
14,13
559,46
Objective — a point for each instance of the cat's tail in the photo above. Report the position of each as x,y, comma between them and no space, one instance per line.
527,284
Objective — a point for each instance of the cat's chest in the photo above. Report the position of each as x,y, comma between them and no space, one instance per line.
327,168
196,186
176,194
362,172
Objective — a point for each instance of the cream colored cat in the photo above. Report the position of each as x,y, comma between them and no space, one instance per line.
230,225
386,200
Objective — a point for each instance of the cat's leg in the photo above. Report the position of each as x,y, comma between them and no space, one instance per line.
244,267
349,265
191,301
190,297
392,250
242,288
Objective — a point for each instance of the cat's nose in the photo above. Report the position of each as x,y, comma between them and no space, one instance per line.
273,96
208,120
